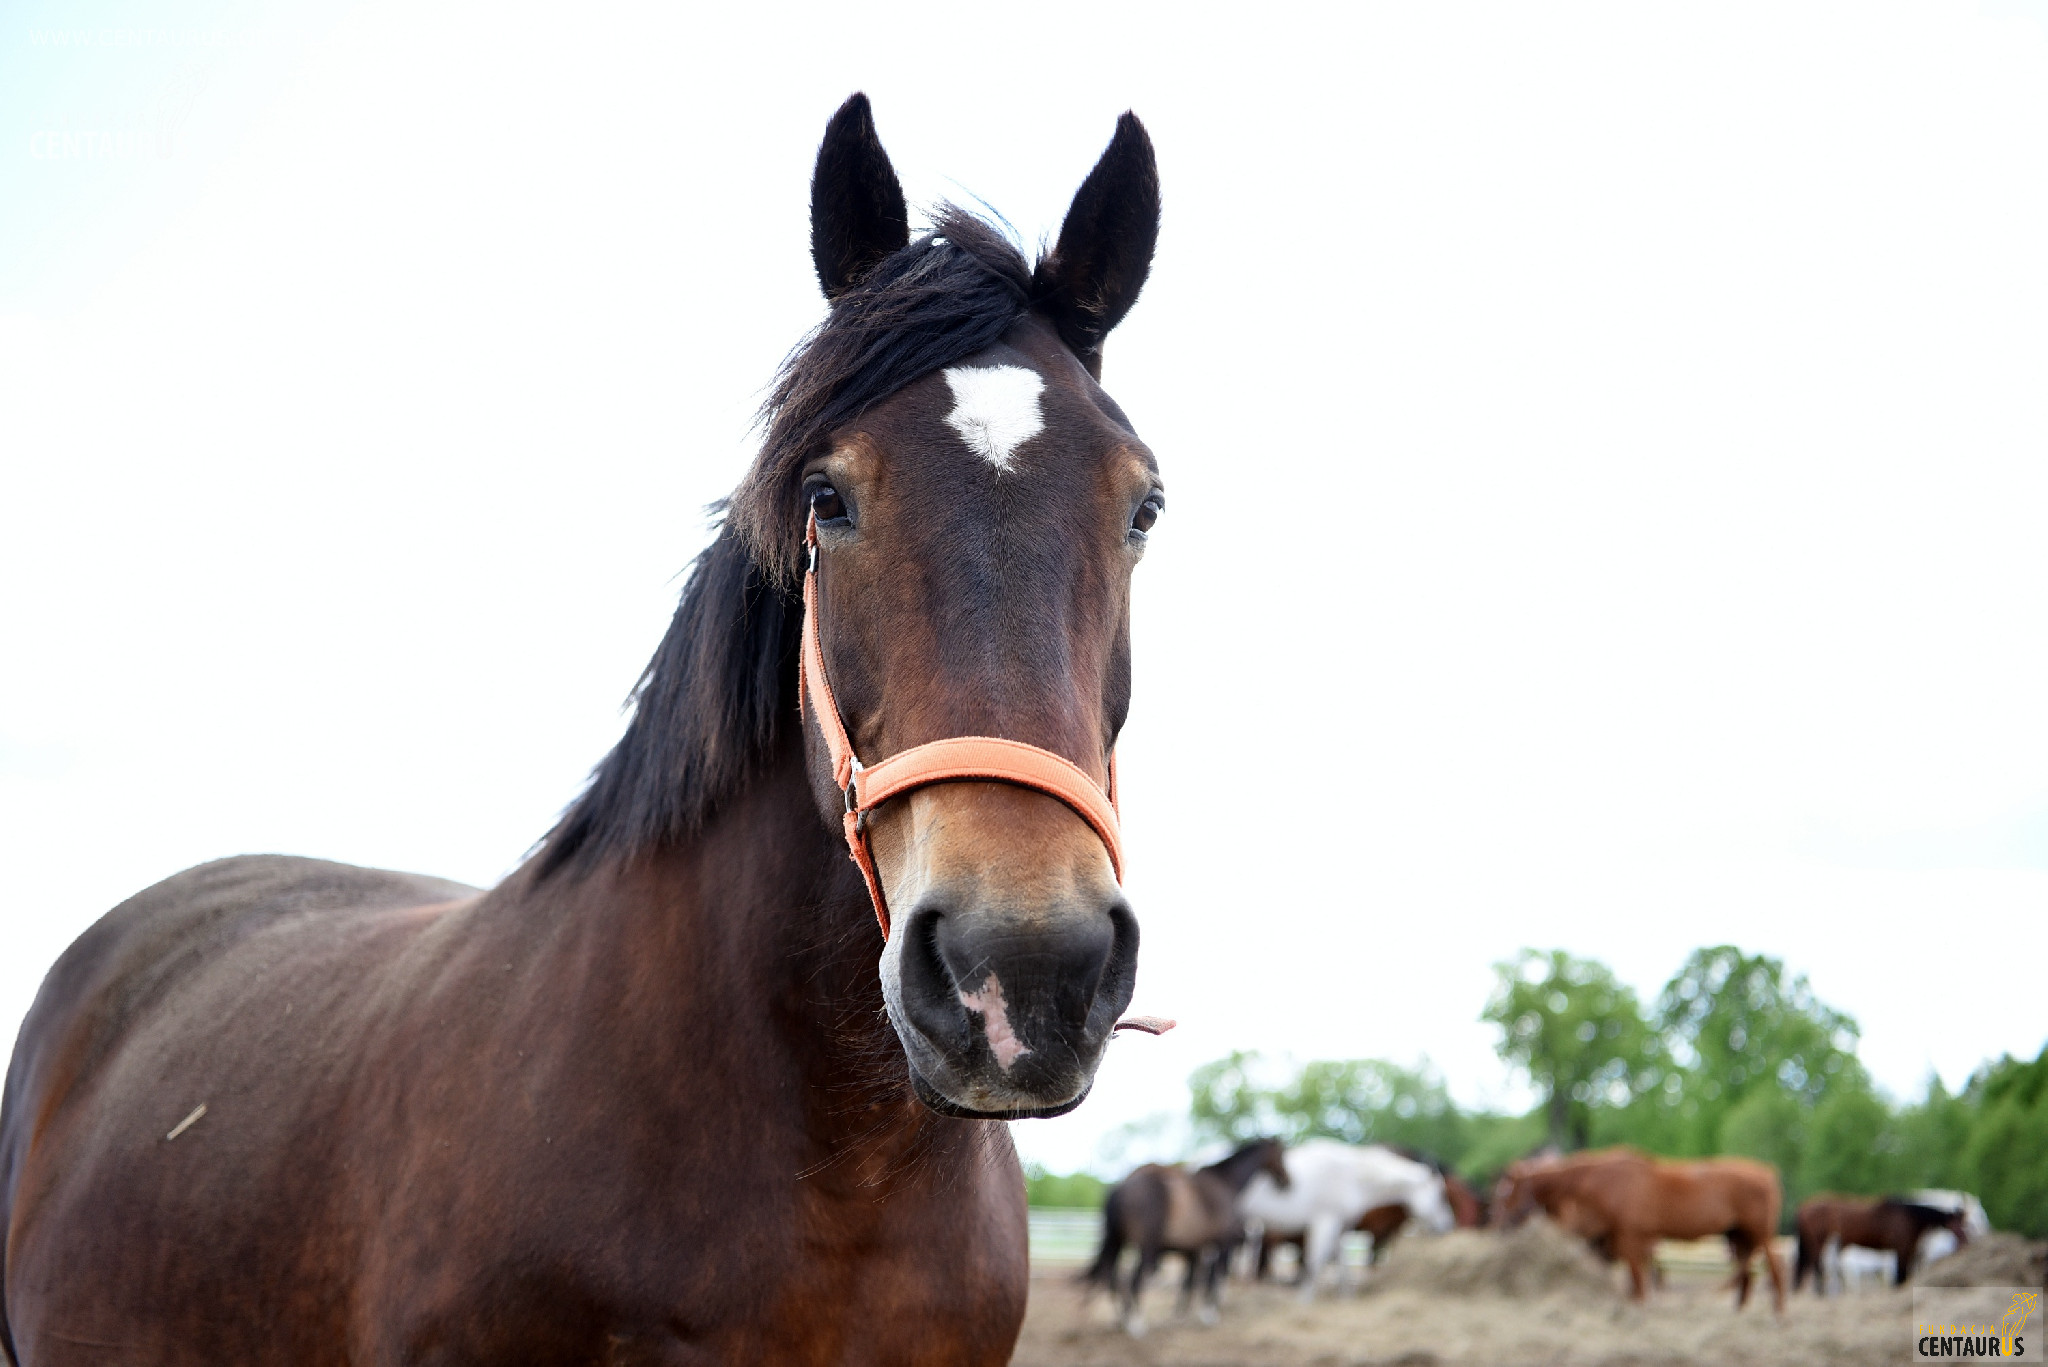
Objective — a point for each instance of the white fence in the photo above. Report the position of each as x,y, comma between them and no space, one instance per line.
1064,1237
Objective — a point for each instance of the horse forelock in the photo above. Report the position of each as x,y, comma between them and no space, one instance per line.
941,299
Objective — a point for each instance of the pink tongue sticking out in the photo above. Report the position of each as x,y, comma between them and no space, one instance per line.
1151,1025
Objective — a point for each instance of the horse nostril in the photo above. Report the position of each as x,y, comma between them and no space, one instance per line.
1068,973
930,996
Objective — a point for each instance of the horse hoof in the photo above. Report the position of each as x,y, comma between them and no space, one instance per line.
1208,1316
1135,1326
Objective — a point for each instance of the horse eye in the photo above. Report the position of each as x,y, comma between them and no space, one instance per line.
1147,514
826,505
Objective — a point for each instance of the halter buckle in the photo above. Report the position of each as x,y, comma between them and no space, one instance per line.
852,791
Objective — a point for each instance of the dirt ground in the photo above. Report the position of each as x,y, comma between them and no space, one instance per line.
1476,1297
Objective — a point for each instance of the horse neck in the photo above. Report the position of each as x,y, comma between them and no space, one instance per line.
1238,1170
739,964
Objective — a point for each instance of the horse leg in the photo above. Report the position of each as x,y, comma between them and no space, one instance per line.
1134,1314
1187,1285
1635,1251
1741,1250
1324,1234
1776,1268
1212,1268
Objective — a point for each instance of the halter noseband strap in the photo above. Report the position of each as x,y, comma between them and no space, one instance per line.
989,759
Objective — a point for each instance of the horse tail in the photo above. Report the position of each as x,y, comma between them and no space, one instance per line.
1102,1272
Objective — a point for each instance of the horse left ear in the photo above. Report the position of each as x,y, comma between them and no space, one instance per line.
857,211
1093,276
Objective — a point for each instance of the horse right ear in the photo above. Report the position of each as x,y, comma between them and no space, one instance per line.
857,210
1094,273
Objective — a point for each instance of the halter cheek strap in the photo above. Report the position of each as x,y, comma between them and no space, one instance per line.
987,759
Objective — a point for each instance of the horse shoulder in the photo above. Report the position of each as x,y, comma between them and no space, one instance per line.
165,1097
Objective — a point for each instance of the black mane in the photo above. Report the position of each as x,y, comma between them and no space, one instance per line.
722,684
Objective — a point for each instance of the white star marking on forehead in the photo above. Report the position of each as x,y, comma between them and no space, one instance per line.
995,409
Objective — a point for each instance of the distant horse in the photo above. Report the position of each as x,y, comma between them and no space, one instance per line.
1889,1226
1334,1185
1939,1243
664,1095
1382,1223
1627,1201
1468,1211
1161,1209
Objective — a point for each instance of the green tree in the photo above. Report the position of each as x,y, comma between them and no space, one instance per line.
2006,1158
1736,1024
1771,1125
1371,1101
1852,1146
1932,1137
1076,1190
1577,1032
1226,1102
1492,1141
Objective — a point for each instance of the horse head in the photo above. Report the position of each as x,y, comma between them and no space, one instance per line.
1514,1195
977,504
1273,1162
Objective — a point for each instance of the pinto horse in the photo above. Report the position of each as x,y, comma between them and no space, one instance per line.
664,1095
1623,1202
1383,1222
1162,1209
1890,1226
1334,1185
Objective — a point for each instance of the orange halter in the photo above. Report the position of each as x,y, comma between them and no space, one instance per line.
979,758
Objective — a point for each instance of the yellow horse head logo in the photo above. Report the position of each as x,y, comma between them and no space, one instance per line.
2016,1317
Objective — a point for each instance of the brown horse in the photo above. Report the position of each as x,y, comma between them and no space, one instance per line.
1162,1209
1626,1201
663,1095
1890,1225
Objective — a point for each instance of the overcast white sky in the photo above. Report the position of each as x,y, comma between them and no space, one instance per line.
1606,451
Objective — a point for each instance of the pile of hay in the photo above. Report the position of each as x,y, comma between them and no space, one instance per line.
1534,1260
1995,1259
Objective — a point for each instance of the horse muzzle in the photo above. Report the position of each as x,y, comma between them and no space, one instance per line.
1013,951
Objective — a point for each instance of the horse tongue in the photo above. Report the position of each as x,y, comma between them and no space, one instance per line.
1151,1025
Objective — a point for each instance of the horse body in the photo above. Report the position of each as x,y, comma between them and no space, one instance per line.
1333,1185
1625,1201
1888,1226
662,1096
1163,1209
429,1083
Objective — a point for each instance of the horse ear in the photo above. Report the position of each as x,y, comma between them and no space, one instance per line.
1093,276
857,211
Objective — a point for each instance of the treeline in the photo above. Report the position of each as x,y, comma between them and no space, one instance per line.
1733,1056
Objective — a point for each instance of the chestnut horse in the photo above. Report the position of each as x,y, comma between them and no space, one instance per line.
1162,1209
664,1095
1626,1201
1890,1226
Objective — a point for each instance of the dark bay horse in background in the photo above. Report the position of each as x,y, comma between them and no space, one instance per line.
1623,1201
1890,1225
663,1095
1160,1209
